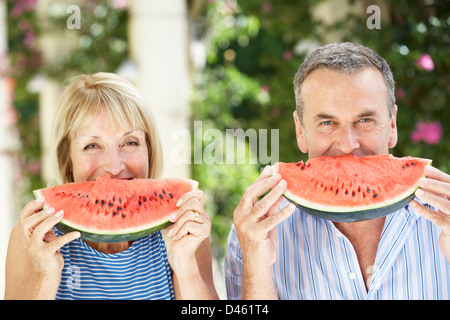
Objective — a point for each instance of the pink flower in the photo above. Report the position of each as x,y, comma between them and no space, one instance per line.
20,6
400,93
425,62
265,88
287,55
429,132
120,4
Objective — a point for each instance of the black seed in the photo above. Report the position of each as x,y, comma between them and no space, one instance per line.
103,202
298,164
114,213
170,195
413,163
120,200
302,168
123,215
368,190
359,189
407,164
375,195
119,208
164,192
346,192
337,191
96,201
110,204
353,193
145,199
140,203
114,199
161,196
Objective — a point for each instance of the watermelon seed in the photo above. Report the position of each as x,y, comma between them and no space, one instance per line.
140,203
161,196
114,213
170,195
163,192
123,215
103,202
353,193
119,208
375,195
110,204
145,199
96,201
368,190
413,163
337,190
302,168
346,191
359,189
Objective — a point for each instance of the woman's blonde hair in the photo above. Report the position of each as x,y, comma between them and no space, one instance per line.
87,95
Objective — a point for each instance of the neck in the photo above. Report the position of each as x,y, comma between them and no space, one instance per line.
109,248
360,229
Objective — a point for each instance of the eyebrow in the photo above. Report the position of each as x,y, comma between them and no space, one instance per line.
329,116
98,137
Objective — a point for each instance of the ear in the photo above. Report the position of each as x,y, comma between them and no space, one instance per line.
299,133
393,136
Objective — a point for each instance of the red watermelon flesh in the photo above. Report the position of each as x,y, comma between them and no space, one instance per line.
113,210
350,188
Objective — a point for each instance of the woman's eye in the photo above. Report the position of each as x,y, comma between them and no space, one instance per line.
90,146
131,143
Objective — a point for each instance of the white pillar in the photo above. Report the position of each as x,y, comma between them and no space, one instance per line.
158,40
7,213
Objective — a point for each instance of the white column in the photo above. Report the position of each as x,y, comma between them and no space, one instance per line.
7,213
158,40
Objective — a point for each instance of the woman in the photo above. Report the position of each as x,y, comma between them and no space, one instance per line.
103,127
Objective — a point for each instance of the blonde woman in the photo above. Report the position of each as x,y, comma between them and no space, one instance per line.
102,126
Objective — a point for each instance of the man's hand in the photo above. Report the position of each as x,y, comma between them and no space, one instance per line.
255,222
435,190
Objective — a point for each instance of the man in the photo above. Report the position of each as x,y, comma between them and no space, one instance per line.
345,104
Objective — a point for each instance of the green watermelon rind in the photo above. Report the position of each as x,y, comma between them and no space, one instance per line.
352,214
109,237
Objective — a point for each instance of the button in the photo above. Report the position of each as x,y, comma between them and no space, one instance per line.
352,275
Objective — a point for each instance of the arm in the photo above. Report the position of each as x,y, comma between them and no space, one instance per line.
188,249
255,222
435,190
33,262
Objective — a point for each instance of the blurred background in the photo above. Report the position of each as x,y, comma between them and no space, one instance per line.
226,63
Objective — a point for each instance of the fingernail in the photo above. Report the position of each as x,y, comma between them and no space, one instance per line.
267,170
59,213
50,210
76,235
423,181
282,183
419,192
170,232
40,200
291,206
179,202
172,217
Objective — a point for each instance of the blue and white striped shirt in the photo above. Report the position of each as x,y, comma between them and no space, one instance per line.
141,272
316,261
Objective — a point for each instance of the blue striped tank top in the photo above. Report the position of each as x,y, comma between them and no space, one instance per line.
141,272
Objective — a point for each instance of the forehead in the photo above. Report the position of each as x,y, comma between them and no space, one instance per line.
330,91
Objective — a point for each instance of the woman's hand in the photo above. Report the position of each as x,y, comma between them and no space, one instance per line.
39,239
191,225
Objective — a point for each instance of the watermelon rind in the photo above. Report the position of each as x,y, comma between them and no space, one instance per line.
352,214
110,237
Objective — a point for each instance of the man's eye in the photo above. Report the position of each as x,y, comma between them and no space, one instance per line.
326,123
365,120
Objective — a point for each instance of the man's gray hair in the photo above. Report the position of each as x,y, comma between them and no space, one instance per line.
345,57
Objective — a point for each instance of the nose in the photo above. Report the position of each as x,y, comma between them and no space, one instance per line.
114,162
347,140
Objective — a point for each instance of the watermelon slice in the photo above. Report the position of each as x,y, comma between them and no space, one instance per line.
349,188
112,210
